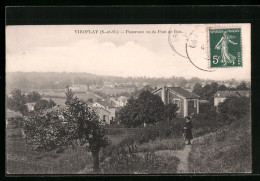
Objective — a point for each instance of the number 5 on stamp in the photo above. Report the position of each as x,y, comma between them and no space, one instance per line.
225,47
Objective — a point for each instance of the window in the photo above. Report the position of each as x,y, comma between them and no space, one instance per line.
177,102
104,117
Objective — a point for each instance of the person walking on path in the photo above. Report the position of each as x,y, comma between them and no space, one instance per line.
187,130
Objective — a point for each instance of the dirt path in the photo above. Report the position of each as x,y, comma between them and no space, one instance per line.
183,166
183,155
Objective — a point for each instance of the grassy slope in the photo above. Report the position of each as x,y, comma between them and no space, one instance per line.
226,151
22,160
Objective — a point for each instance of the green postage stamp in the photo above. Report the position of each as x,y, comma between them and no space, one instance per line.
225,47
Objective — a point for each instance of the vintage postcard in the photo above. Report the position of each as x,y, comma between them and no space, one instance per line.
128,99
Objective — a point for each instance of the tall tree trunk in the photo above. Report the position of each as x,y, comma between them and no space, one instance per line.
95,156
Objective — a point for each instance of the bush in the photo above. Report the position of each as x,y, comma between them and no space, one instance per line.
204,123
114,131
234,108
126,160
33,97
205,107
229,150
17,102
41,105
16,122
163,129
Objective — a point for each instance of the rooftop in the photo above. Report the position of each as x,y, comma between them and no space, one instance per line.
224,94
122,98
97,109
104,103
183,92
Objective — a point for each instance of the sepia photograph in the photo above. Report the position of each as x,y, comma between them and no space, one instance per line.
128,99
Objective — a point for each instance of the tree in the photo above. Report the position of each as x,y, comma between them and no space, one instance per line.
51,103
33,97
242,86
206,92
147,108
182,82
213,90
222,88
41,105
17,102
170,111
74,125
69,95
128,114
85,128
234,108
45,132
90,100
197,89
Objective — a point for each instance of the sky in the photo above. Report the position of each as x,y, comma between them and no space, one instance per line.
135,50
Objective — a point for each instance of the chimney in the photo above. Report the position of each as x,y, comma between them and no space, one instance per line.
164,93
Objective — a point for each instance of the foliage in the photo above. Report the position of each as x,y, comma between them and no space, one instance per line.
17,102
222,88
90,100
170,111
205,107
242,86
147,108
69,95
51,103
77,124
44,132
33,97
164,129
226,151
205,123
209,90
126,160
197,89
85,127
233,108
137,93
41,105
16,122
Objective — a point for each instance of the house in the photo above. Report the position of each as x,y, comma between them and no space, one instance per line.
120,102
103,114
187,102
94,87
108,85
30,106
79,88
101,103
220,96
108,110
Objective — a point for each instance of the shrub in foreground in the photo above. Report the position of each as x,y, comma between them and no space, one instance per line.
163,129
234,108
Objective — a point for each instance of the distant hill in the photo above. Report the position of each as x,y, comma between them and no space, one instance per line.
55,80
